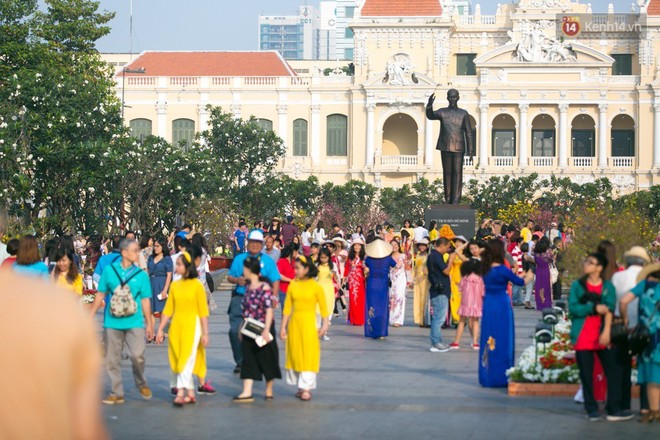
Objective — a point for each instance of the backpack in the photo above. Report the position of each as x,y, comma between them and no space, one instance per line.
122,302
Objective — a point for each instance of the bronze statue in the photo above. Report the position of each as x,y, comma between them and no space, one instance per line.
454,142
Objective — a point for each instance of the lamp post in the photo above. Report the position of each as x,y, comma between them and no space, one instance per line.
124,71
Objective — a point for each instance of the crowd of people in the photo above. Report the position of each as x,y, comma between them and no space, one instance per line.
312,277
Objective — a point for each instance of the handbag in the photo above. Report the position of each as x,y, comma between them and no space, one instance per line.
554,274
618,332
641,338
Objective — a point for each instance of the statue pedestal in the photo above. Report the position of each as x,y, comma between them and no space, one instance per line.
461,218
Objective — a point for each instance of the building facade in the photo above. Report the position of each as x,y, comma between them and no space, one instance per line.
583,105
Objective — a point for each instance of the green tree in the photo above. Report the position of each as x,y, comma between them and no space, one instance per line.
411,201
55,92
500,192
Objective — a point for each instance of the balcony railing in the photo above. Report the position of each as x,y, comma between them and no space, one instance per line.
405,161
622,162
184,80
543,162
140,80
502,161
468,161
260,80
582,162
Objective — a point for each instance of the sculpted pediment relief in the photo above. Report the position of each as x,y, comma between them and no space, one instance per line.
544,52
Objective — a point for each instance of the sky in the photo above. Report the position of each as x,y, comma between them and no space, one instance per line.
219,24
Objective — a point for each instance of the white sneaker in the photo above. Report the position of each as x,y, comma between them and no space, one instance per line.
579,397
326,338
440,348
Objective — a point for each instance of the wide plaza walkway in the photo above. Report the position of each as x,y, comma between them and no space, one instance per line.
391,389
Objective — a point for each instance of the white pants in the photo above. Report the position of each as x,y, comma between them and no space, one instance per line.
184,380
529,290
305,380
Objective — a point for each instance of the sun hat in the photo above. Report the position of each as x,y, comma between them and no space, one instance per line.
328,243
357,241
424,241
638,252
315,243
461,238
277,219
341,240
379,249
648,270
256,235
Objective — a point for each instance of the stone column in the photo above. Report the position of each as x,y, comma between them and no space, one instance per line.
656,134
483,135
429,145
369,153
602,136
523,135
316,134
283,123
563,135
203,117
161,111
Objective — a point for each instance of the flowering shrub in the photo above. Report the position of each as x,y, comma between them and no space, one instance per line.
555,363
447,232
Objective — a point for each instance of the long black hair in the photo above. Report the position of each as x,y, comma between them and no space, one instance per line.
309,264
542,246
199,240
319,226
163,245
493,253
325,251
352,254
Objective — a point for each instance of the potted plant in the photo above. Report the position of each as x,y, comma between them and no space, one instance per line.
221,258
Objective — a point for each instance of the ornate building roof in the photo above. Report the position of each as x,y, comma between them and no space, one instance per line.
217,63
401,8
653,8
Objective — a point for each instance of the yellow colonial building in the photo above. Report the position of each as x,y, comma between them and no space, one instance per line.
551,88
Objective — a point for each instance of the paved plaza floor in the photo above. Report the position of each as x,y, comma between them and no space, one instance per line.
390,389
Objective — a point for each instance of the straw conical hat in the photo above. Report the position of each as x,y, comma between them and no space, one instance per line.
379,249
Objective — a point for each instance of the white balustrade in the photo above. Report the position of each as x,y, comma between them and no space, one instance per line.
468,161
140,80
622,162
502,161
260,80
466,19
583,162
221,80
399,160
337,161
300,81
543,162
488,19
183,80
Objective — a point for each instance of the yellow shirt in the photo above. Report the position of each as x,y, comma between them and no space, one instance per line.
526,234
434,234
75,287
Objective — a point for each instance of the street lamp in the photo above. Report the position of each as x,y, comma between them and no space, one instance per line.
124,71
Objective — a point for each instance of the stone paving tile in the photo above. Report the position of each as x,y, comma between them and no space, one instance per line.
367,389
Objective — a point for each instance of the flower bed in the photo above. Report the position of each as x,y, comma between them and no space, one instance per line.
555,364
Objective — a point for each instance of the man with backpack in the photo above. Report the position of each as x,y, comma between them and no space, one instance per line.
127,291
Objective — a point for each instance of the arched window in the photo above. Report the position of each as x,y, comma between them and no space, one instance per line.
583,135
266,124
337,135
623,136
300,137
140,128
183,132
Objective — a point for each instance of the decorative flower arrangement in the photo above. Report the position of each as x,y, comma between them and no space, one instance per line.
555,363
447,232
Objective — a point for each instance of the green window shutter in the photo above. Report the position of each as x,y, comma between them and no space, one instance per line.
183,132
622,64
337,135
465,64
300,137
140,128
265,124
623,143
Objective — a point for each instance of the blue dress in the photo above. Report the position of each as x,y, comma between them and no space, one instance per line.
497,343
648,363
378,299
158,277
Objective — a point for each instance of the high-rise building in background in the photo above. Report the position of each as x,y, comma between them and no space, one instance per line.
296,37
328,31
345,13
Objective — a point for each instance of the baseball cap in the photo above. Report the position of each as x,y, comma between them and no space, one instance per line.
256,235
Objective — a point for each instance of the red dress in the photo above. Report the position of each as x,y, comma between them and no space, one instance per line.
354,270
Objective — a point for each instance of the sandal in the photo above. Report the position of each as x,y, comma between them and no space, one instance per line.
190,400
299,394
306,396
179,401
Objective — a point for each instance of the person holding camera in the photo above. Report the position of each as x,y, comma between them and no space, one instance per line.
591,303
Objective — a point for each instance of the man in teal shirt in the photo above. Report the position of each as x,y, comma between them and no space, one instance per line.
255,244
129,330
